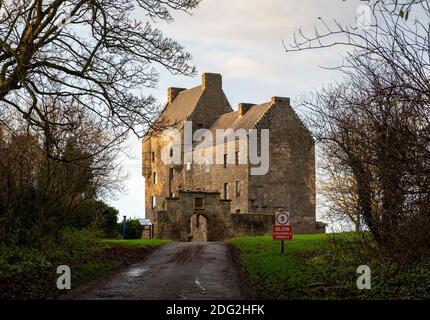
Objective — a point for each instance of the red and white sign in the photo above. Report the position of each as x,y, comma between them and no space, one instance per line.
280,232
283,218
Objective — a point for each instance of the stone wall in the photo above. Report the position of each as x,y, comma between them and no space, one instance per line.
177,220
251,224
260,224
290,183
175,217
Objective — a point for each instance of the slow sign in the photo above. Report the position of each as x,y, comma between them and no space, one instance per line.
282,233
282,230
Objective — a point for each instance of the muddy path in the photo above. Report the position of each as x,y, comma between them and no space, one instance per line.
176,271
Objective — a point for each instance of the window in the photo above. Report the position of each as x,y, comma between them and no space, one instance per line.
153,202
237,189
225,161
199,203
154,178
152,156
237,210
226,191
236,158
171,152
171,174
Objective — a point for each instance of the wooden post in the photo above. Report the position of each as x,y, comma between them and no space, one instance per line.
282,248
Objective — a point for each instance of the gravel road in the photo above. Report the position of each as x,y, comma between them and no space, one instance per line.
176,271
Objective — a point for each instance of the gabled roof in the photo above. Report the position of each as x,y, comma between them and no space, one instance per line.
249,120
181,107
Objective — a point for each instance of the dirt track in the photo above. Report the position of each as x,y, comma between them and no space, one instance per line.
175,271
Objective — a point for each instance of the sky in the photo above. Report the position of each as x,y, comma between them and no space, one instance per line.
243,40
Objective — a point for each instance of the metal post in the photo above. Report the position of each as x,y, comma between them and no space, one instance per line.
282,248
123,227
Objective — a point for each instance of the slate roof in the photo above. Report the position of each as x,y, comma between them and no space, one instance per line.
186,101
232,120
182,107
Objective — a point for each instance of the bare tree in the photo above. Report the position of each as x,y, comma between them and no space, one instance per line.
98,55
369,130
376,122
41,195
338,189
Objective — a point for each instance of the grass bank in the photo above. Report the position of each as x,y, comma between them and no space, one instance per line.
31,274
324,266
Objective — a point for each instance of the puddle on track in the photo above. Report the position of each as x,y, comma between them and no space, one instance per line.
136,271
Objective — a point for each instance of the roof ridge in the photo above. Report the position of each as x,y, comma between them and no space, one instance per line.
263,114
298,118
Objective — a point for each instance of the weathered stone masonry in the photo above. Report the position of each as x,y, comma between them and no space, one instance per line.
189,202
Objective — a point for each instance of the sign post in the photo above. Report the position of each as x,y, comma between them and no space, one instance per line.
124,222
282,230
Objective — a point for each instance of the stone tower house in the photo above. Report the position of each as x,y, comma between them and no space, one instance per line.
216,200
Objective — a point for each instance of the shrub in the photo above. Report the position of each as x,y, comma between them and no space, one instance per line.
133,229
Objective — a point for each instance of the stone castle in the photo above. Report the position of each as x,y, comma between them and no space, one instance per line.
215,200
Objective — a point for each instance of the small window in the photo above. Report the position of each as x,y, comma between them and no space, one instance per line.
237,189
152,156
199,203
237,210
225,161
154,178
225,191
171,152
153,202
236,158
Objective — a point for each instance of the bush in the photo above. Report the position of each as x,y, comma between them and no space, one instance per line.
133,229
20,259
96,214
75,246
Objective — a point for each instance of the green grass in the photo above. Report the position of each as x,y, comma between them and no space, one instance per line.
92,270
138,243
104,264
27,273
324,266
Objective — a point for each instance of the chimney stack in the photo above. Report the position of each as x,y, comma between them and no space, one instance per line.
244,108
281,100
172,93
212,80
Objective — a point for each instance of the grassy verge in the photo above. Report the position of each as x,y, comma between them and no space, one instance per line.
325,267
114,255
137,243
31,274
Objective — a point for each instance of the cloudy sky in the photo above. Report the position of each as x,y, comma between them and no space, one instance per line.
242,40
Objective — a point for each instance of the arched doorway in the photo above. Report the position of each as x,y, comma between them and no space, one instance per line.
199,228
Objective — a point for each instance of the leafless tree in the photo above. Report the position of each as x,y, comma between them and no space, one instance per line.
369,129
97,55
375,123
338,189
40,194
